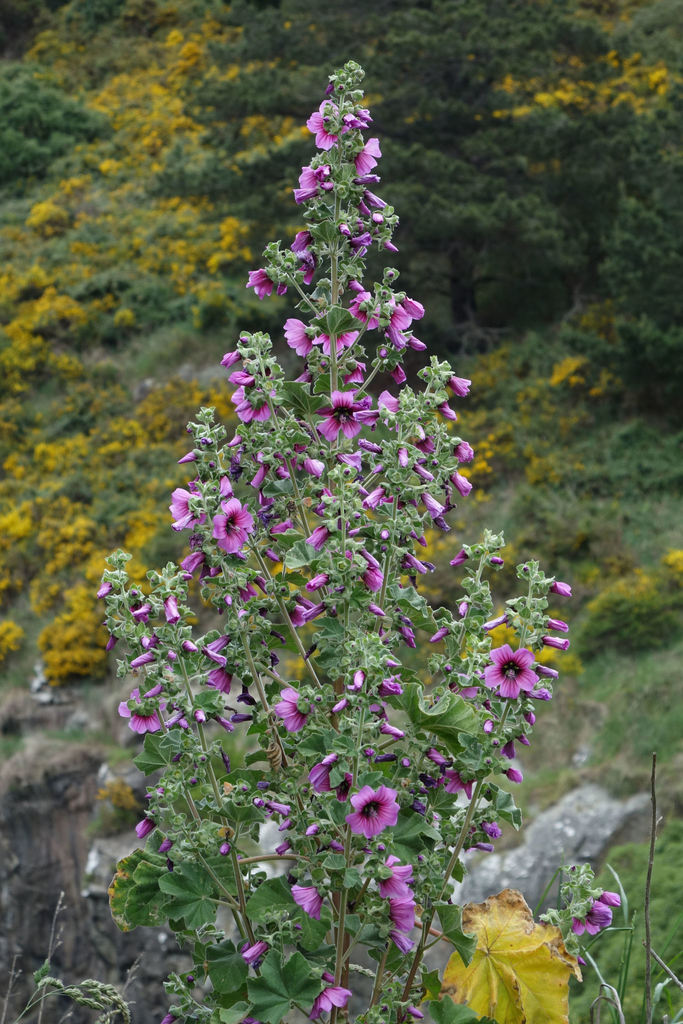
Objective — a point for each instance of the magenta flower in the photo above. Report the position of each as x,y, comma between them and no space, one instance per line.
599,916
610,899
289,710
232,528
402,941
310,180
455,784
346,415
461,484
252,955
171,609
464,452
219,679
333,995
396,887
319,774
309,899
510,671
261,283
373,811
402,913
558,642
563,589
344,340
318,537
139,722
460,386
180,509
317,124
368,156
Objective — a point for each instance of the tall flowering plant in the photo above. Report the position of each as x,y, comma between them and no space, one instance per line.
307,540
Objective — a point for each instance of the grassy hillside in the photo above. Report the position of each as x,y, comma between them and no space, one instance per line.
139,177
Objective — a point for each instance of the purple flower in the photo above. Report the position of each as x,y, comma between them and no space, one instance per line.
319,774
317,125
455,784
396,887
288,709
402,912
104,590
368,156
147,825
463,452
563,589
460,386
559,643
514,775
219,679
297,338
346,415
373,811
373,578
461,484
510,671
252,955
180,509
140,723
309,899
261,283
171,609
558,624
598,917
333,995
610,899
231,528
492,829
402,941
318,537
461,557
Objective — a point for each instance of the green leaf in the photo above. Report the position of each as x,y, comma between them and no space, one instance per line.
134,894
233,1014
446,1011
446,719
338,320
158,751
506,807
414,606
227,970
274,895
451,925
281,985
410,833
312,934
352,877
299,554
194,896
323,385
432,984
299,397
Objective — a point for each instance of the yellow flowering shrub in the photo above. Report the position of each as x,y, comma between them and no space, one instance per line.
73,645
11,636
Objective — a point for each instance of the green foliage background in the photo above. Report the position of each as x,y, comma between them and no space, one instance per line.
532,149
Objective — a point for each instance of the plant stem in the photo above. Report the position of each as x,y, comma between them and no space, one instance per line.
427,922
648,884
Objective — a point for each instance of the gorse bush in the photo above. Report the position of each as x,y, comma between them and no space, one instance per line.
308,539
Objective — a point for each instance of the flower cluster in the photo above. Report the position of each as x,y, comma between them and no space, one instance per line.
307,542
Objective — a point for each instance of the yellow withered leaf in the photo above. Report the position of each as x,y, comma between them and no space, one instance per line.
520,971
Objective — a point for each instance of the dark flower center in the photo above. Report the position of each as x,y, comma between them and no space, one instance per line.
511,669
371,809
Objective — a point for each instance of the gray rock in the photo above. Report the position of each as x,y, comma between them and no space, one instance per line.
578,829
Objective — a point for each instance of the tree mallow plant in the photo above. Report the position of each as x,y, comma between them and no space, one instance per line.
375,725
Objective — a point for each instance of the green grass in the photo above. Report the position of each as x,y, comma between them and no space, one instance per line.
630,863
